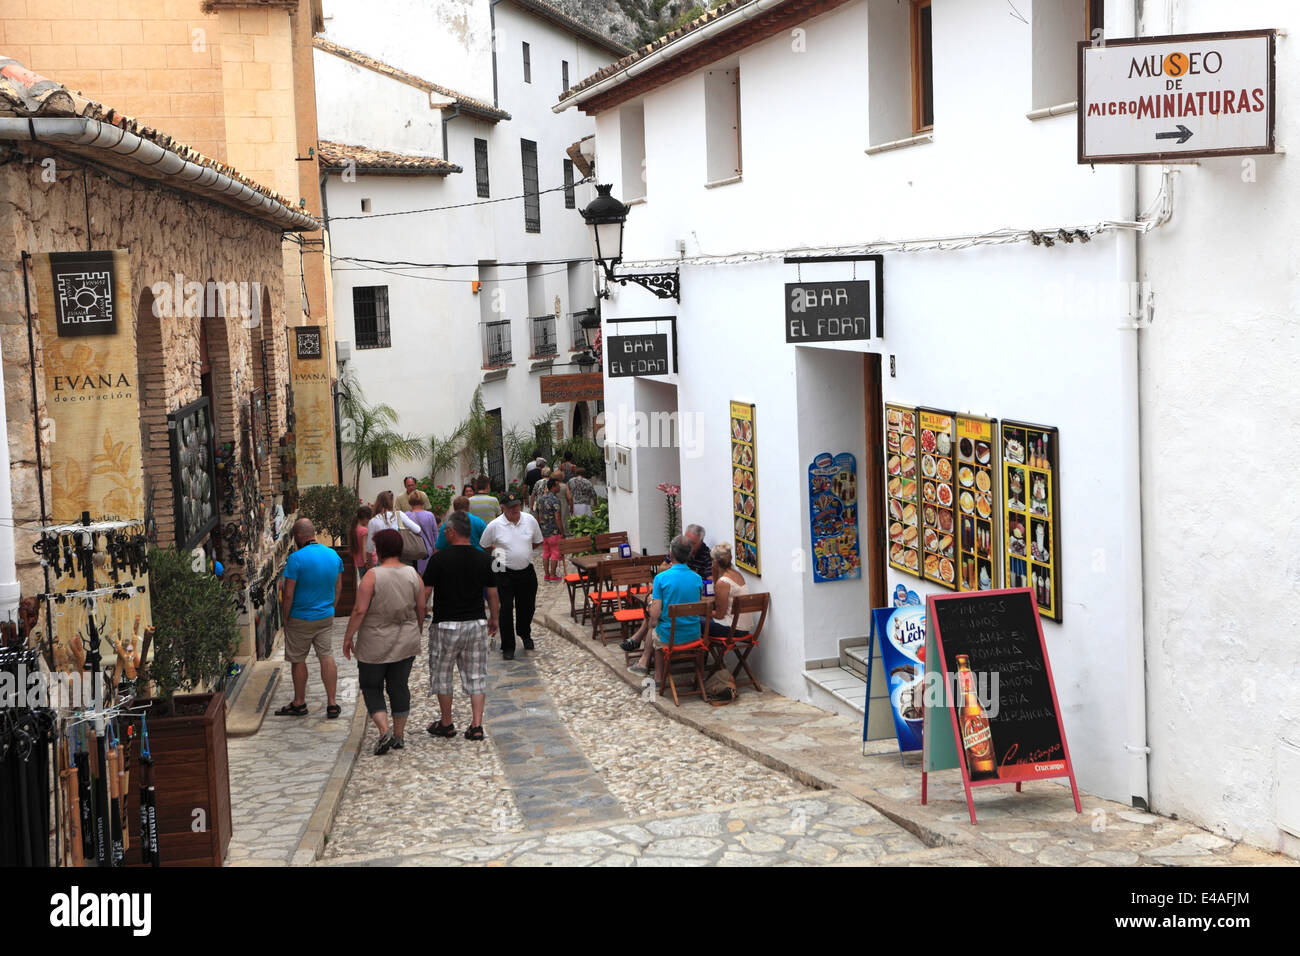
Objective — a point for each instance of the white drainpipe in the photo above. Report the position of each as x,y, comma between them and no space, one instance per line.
1128,275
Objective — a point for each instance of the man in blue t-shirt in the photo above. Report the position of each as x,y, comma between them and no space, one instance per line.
313,580
676,585
476,525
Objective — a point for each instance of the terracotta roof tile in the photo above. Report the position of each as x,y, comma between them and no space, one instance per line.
337,155
701,21
467,104
561,19
25,93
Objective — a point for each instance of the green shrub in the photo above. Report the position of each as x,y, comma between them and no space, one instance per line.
196,625
439,495
595,523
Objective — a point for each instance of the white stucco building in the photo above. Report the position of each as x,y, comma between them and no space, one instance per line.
1145,312
419,111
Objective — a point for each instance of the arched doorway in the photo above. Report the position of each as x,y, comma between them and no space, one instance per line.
581,420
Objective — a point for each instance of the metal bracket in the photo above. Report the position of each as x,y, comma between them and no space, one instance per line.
666,285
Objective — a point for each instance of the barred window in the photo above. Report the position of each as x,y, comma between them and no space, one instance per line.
569,202
496,343
532,200
481,167
370,316
528,65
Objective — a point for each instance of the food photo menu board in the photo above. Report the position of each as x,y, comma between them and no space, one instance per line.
1031,522
744,486
938,441
977,541
903,488
833,517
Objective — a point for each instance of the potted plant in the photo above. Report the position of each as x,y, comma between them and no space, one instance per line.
333,509
195,637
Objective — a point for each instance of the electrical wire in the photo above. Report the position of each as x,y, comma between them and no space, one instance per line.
462,205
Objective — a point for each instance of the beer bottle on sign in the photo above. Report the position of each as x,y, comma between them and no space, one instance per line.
976,737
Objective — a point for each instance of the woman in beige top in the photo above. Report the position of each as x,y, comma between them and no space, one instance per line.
728,584
385,624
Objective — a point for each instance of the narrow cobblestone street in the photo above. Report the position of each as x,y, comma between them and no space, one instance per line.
576,770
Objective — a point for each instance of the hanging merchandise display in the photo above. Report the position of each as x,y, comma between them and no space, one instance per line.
977,539
1030,454
903,489
938,440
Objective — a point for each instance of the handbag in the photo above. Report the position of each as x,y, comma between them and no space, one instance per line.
414,547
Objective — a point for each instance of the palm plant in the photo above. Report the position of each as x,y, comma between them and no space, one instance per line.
524,444
478,433
444,452
368,434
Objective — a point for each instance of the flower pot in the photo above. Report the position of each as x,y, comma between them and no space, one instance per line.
192,782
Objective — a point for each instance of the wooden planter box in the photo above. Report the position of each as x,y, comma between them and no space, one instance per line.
348,596
191,772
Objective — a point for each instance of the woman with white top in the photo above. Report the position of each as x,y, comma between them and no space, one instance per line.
386,519
728,584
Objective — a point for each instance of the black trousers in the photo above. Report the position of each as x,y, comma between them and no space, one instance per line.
517,591
396,676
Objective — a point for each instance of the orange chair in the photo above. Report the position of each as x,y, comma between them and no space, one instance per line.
633,584
575,579
695,651
604,599
742,645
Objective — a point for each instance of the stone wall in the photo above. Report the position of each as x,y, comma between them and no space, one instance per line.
169,234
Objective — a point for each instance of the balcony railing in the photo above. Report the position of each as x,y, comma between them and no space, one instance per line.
496,344
579,341
542,331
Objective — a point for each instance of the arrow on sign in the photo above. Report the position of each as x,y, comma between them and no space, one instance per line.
1183,134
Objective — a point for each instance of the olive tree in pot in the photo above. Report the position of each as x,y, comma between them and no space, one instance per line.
333,510
195,637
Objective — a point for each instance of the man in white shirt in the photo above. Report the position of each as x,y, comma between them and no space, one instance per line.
511,539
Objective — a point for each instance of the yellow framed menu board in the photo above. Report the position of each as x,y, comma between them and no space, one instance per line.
1031,524
903,489
744,486
938,442
977,540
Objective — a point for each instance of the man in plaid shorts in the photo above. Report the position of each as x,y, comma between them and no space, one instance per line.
459,577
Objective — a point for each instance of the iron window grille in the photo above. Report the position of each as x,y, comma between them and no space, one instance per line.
379,467
496,343
370,317
544,342
528,65
569,200
579,341
532,199
564,76
481,167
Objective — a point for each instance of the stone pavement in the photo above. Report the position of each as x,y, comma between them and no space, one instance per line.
813,830
278,775
1037,826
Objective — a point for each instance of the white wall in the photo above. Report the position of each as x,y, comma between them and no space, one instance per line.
448,42
435,362
1017,332
1220,510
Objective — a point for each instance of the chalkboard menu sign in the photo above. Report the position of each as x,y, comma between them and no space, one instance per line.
637,355
1001,701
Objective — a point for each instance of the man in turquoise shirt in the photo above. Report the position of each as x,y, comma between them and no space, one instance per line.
313,579
476,525
676,585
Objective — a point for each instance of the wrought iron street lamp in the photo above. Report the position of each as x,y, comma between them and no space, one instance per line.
605,217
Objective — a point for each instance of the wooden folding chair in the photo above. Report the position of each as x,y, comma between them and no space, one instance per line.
575,579
604,599
695,651
610,540
741,644
633,583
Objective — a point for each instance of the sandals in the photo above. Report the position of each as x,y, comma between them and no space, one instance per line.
333,711
474,733
438,729
293,710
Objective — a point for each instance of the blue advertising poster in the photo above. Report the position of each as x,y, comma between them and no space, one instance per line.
833,517
901,632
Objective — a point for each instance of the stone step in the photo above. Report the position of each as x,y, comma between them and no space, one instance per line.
855,659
